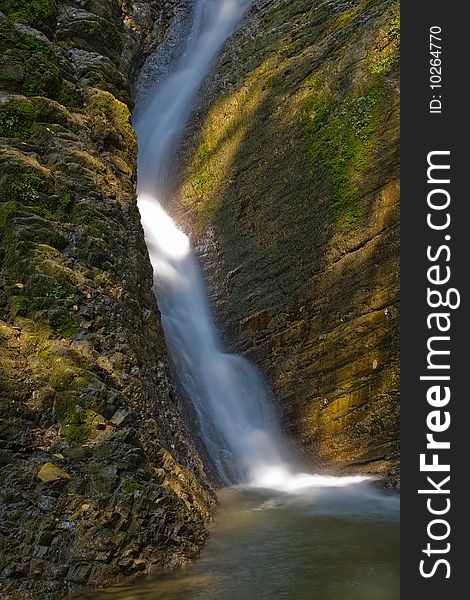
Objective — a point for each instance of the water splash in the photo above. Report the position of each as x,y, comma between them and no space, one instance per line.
285,480
233,405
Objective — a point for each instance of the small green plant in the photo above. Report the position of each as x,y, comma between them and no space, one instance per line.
384,65
102,279
66,200
60,291
48,215
94,229
8,124
28,187
394,29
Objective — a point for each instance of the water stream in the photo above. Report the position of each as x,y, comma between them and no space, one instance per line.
280,533
232,403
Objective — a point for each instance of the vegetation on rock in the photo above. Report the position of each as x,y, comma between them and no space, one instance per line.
40,14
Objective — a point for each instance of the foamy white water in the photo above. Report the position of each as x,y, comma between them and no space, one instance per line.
234,407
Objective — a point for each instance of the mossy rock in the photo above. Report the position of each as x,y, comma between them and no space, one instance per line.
28,188
111,120
64,324
23,118
40,14
92,33
79,425
68,95
28,65
54,366
35,67
129,487
29,243
41,78
342,139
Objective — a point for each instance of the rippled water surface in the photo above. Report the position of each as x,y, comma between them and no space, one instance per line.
327,544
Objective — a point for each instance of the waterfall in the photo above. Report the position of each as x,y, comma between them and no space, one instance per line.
234,407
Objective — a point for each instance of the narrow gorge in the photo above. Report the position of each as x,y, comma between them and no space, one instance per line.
269,131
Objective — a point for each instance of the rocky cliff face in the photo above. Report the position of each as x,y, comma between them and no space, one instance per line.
99,478
291,190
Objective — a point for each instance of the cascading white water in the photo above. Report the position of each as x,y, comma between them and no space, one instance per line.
233,404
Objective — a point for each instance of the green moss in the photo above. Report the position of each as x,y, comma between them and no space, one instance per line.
129,487
33,45
394,28
69,96
7,209
49,363
219,142
6,78
95,229
41,79
343,19
22,264
31,67
112,119
66,326
49,215
13,126
9,246
384,65
31,260
97,224
37,13
12,40
381,66
346,17
102,279
21,117
317,110
204,179
341,139
66,200
77,425
97,34
78,253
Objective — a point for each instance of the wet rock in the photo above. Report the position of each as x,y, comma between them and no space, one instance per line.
78,573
